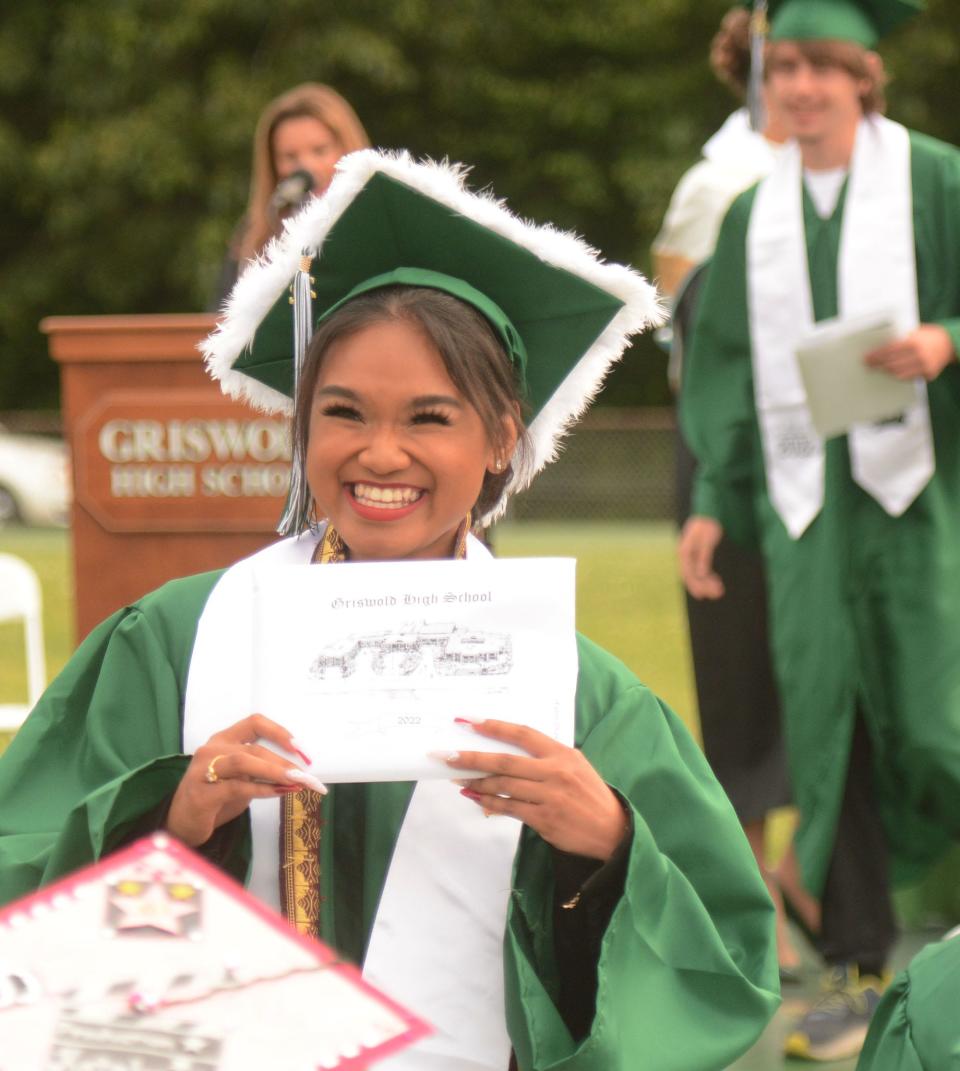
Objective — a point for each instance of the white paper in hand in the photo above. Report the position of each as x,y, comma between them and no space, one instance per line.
368,665
841,389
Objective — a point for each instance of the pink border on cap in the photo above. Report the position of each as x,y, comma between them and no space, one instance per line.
37,903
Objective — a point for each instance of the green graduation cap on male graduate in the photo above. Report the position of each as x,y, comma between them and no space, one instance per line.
862,22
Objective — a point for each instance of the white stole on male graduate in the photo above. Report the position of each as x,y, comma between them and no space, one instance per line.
876,272
437,940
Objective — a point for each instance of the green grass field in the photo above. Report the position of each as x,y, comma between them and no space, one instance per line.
629,598
48,551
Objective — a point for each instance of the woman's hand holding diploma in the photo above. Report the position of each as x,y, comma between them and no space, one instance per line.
553,789
229,771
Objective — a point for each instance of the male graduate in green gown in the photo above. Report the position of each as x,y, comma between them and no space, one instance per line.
859,218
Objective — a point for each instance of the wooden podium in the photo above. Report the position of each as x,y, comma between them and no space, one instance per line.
170,477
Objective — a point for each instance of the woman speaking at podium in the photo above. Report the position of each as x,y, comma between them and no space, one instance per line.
299,138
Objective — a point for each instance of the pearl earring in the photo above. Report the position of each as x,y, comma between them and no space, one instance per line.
498,464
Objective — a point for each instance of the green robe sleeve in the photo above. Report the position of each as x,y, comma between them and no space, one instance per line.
889,1045
716,396
916,1027
102,748
687,976
936,200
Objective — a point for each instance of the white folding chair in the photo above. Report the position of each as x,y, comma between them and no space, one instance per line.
20,598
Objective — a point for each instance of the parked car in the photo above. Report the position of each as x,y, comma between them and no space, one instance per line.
34,480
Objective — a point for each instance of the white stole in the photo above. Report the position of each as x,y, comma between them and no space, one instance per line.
876,272
437,940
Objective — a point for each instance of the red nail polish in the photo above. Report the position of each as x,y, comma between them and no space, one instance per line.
470,794
302,756
286,789
463,721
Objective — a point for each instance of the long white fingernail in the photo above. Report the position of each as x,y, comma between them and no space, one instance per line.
444,756
307,779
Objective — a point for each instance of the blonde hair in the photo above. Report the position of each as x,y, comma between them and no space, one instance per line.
315,101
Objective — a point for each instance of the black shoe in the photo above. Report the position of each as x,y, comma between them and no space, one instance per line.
835,1026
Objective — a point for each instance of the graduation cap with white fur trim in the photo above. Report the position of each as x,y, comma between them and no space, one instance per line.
564,315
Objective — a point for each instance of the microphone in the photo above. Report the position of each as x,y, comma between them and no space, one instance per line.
290,193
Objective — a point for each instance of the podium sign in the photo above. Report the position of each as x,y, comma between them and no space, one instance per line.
180,461
170,476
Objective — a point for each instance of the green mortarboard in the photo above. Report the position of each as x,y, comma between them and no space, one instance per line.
862,22
563,315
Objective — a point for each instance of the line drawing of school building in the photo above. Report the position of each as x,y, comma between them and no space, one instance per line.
431,649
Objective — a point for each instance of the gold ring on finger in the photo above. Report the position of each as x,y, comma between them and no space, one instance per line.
211,776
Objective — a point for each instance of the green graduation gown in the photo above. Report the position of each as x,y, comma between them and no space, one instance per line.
865,607
687,969
916,1026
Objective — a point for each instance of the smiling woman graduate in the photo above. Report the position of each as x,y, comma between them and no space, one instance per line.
620,921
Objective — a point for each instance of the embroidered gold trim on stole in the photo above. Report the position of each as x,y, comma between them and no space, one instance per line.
300,827
331,548
300,818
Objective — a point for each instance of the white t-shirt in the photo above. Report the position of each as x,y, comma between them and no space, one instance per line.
824,188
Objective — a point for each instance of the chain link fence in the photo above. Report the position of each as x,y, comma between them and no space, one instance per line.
618,464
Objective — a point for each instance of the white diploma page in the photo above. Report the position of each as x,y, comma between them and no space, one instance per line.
369,665
841,389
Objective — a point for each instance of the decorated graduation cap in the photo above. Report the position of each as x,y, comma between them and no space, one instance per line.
562,314
155,958
861,22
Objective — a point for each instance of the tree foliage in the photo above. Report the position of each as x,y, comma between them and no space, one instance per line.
125,130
